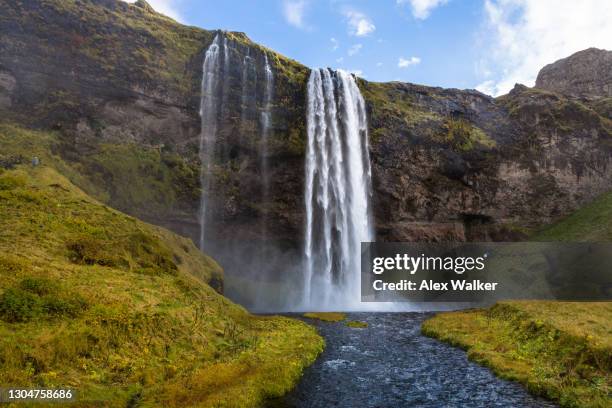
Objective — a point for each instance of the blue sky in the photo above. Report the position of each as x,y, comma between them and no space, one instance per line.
483,44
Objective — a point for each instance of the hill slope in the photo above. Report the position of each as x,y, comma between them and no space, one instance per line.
592,222
117,310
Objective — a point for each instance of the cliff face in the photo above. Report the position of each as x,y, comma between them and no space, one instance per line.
585,73
122,86
453,164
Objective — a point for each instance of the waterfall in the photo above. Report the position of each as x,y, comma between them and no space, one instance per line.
265,115
208,115
213,102
337,190
244,96
265,130
222,139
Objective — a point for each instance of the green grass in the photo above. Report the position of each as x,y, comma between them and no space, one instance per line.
357,324
119,310
464,136
560,350
592,222
390,105
326,316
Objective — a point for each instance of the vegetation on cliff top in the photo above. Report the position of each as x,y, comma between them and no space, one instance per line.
122,41
549,110
396,105
390,105
561,350
117,309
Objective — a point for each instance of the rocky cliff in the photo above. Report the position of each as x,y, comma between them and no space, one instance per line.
121,85
585,73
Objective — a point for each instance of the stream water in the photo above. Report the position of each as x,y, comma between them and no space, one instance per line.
390,364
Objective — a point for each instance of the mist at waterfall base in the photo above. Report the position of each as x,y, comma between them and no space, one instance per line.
316,271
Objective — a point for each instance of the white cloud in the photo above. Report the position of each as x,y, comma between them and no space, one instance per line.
359,24
357,72
354,49
335,43
339,59
525,35
487,87
294,10
422,8
405,63
165,7
379,64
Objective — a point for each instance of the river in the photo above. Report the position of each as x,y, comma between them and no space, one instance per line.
390,364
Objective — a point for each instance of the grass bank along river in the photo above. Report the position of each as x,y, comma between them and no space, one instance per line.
561,350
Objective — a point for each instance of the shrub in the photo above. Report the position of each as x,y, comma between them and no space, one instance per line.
63,305
38,297
150,254
18,305
38,286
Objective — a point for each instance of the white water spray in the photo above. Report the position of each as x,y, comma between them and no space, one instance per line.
337,191
208,115
266,115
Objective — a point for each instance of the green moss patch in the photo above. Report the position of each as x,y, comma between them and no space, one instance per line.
560,350
391,106
326,316
464,136
357,324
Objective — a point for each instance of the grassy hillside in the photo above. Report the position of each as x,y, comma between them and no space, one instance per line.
593,222
117,309
561,350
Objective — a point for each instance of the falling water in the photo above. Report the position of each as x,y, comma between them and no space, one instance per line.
265,130
212,102
244,96
337,190
225,88
221,141
265,115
